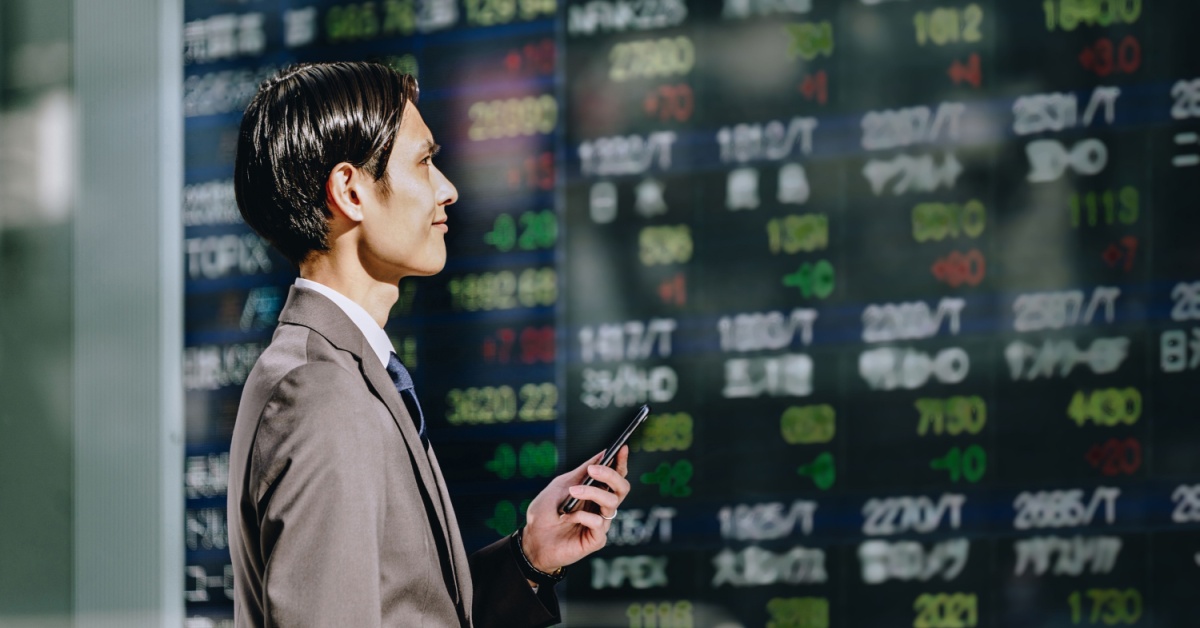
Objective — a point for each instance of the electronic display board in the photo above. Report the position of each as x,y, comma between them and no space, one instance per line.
912,286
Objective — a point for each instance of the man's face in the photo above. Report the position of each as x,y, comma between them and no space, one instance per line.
404,231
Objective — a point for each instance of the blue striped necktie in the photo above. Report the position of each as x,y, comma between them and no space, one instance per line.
402,380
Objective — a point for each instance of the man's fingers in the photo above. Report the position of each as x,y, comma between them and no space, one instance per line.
615,481
596,495
623,461
589,520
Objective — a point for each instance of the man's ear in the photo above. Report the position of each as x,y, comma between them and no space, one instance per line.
343,191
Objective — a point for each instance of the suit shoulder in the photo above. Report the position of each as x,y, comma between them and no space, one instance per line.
319,416
318,397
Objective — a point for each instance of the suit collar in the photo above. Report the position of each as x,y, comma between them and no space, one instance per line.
377,338
315,311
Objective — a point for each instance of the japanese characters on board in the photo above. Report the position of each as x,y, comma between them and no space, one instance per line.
911,286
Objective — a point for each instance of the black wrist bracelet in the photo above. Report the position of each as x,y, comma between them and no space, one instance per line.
530,572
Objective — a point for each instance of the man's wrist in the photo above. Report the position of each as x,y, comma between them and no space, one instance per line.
532,573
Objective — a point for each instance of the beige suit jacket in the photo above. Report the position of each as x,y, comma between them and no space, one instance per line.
338,516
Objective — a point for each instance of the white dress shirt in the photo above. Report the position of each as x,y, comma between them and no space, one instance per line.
378,339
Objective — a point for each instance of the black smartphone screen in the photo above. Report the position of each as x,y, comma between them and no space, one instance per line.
571,504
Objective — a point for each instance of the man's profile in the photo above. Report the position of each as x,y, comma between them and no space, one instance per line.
338,512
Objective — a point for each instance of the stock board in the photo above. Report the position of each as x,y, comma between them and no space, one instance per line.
912,286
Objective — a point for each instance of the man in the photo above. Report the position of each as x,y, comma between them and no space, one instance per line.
338,512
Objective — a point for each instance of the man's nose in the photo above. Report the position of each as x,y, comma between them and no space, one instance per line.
447,194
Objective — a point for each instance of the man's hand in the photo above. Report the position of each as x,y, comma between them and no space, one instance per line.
550,540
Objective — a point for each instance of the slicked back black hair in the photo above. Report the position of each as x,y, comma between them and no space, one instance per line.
301,124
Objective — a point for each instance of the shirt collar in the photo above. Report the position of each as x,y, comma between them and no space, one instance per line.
376,336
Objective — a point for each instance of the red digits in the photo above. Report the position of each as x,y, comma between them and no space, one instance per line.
499,347
541,56
1116,457
970,72
673,290
670,102
1125,251
957,269
533,173
533,58
816,87
1129,56
1103,58
537,344
544,177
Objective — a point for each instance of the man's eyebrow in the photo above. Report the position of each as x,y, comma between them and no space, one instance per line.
432,148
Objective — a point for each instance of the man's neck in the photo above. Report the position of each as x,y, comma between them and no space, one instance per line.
375,296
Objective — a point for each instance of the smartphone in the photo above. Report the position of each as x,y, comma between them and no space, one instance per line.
610,456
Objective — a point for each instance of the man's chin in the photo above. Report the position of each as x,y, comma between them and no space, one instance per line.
430,270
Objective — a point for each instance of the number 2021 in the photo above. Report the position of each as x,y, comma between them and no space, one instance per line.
946,610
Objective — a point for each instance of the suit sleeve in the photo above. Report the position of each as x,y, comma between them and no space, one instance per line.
503,597
319,502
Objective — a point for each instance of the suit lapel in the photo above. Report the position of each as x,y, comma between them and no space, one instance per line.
313,310
378,378
458,554
431,475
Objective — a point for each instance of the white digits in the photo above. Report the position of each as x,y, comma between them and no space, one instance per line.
1186,296
1186,95
637,527
773,140
897,515
631,340
756,331
1059,111
1064,509
766,521
898,128
910,321
1038,113
626,154
1187,504
1055,310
